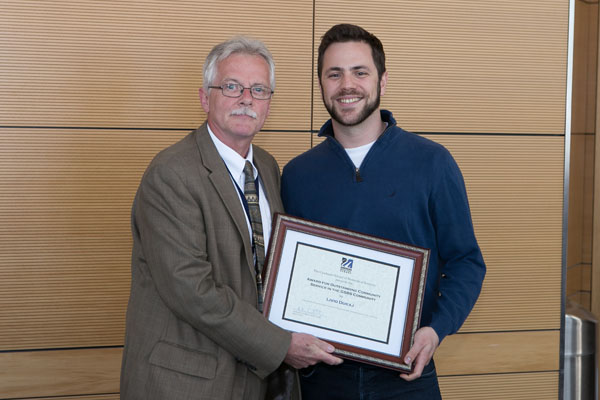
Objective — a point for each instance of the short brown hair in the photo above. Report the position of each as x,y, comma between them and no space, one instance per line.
352,33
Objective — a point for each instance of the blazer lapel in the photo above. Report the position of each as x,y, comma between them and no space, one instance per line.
221,180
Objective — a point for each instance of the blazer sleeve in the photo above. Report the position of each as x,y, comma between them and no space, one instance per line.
170,227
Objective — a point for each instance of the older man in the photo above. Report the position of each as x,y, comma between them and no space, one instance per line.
203,209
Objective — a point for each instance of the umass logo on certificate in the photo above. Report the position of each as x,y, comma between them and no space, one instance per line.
346,265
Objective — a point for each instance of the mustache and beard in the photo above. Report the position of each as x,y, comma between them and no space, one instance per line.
366,111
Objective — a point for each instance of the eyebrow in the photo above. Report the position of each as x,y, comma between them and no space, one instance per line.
353,68
240,83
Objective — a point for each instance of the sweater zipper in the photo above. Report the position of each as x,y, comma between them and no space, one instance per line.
356,169
358,177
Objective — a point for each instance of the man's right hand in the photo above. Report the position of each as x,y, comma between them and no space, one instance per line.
306,350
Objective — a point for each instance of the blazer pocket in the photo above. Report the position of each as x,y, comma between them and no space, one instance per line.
184,360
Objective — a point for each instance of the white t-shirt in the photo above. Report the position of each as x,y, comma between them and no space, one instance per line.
357,154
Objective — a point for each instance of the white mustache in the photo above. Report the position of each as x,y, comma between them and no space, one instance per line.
244,111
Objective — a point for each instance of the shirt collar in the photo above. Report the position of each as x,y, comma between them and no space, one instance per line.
386,116
234,162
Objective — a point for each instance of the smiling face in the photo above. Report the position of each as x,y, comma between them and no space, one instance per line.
350,86
235,121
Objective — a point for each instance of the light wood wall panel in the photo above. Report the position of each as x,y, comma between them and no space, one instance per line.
532,386
65,240
139,63
60,373
283,145
464,66
494,353
515,187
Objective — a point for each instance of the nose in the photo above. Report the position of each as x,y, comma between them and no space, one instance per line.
347,81
246,97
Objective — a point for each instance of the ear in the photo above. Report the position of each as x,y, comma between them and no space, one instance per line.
204,99
383,82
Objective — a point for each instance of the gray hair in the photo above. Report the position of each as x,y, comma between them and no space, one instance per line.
236,45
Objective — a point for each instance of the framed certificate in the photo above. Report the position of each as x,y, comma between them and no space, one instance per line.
361,293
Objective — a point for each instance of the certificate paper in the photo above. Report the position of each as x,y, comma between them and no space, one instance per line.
361,293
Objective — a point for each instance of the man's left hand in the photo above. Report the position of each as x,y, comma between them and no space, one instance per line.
425,344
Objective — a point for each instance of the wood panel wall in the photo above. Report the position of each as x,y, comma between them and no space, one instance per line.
595,306
581,174
91,90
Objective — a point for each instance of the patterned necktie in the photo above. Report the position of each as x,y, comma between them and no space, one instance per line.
251,195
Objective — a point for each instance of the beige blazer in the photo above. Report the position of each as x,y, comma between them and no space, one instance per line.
193,330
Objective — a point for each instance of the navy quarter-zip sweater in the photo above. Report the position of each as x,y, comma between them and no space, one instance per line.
408,189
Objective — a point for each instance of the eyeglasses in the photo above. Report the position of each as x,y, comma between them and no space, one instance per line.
258,92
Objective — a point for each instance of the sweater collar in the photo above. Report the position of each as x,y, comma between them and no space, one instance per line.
386,116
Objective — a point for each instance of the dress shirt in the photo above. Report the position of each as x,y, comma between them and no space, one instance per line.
235,163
